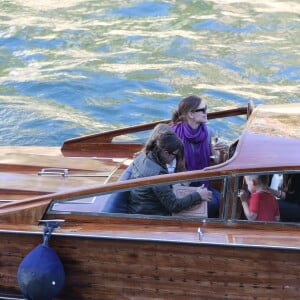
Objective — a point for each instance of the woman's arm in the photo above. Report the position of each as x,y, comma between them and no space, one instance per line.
164,193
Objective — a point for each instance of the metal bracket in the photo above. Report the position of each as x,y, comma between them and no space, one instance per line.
200,233
53,172
49,226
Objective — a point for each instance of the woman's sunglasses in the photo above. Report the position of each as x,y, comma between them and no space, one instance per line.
203,110
175,153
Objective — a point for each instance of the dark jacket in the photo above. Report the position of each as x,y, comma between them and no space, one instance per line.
159,199
290,206
293,195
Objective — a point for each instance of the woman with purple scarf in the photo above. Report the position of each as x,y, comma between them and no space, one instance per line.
189,122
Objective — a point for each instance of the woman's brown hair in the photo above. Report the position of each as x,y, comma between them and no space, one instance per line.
163,138
288,184
186,105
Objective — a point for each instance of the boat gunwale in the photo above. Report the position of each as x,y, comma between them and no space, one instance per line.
153,180
199,242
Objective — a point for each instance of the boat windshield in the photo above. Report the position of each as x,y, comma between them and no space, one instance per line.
120,201
247,197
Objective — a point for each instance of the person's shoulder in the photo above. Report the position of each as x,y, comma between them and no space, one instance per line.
147,165
262,194
270,196
267,196
176,126
210,132
152,168
256,196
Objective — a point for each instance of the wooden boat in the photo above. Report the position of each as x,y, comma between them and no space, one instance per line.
114,255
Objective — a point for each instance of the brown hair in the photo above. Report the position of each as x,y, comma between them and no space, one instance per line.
163,138
288,183
186,105
156,132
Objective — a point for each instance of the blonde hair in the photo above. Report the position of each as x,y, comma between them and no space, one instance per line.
262,180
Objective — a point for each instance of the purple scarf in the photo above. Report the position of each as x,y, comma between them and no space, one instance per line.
196,145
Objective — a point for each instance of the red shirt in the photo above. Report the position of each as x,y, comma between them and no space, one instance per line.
264,205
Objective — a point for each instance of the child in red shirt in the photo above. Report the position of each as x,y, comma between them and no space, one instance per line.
262,205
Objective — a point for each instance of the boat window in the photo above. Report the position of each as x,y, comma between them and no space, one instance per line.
117,203
262,197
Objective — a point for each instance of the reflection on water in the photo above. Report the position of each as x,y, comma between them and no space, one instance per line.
77,67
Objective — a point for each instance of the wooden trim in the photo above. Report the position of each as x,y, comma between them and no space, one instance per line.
107,137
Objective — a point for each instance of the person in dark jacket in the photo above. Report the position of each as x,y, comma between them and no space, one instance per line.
153,160
289,198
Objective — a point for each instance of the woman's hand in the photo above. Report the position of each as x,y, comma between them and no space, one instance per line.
277,193
221,146
205,194
220,150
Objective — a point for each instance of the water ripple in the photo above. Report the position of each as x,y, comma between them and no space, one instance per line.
77,67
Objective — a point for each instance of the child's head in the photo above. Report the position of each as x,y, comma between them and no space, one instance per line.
256,182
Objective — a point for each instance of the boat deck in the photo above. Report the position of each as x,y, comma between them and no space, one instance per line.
26,172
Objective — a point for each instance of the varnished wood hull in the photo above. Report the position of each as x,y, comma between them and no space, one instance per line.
99,268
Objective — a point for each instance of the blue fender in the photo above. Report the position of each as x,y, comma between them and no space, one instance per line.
41,275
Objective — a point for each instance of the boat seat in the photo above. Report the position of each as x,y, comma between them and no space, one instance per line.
118,202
